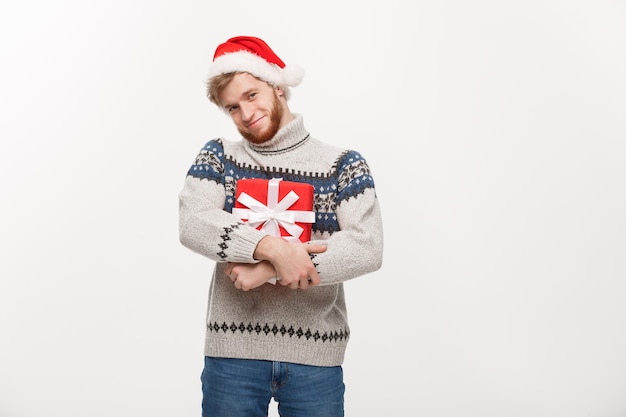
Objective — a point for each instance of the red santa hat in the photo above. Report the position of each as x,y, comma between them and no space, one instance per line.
253,55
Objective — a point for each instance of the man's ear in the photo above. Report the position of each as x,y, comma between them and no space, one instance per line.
279,90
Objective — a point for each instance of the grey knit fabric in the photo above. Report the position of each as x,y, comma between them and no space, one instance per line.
274,322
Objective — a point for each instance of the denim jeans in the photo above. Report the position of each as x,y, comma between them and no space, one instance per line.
244,388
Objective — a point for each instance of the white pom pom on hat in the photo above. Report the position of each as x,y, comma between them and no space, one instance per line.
293,74
253,55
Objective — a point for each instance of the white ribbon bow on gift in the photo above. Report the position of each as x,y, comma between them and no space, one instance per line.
275,213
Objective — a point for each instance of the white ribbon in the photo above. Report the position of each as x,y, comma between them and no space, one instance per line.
275,213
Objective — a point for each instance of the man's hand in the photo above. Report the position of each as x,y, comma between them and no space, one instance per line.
249,276
291,261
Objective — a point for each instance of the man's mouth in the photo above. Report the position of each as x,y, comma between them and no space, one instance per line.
254,124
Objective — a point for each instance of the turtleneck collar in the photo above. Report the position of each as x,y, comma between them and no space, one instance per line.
288,137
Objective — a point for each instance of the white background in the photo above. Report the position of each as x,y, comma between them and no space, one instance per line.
495,132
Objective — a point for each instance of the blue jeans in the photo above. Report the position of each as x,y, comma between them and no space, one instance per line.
244,388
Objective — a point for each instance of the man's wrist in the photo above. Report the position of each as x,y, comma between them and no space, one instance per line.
265,248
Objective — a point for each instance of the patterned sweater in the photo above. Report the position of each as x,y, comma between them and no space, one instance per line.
273,322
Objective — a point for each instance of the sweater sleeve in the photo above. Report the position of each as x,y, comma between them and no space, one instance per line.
357,247
204,226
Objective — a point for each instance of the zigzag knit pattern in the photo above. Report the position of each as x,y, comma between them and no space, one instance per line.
282,331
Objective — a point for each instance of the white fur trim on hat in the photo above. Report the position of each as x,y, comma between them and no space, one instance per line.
243,61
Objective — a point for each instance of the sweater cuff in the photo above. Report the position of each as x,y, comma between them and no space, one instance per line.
240,242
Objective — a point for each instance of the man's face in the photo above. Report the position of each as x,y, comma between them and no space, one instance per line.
254,107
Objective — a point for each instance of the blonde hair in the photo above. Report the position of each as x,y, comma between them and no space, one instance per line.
216,84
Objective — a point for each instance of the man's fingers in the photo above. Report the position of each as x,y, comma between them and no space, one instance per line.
304,283
314,278
315,248
229,270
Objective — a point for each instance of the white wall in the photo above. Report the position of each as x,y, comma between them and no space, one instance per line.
495,133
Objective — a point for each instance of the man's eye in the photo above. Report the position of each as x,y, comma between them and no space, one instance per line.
252,95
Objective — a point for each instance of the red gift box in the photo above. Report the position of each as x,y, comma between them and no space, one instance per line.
280,208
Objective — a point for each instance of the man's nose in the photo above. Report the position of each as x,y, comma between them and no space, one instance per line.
246,111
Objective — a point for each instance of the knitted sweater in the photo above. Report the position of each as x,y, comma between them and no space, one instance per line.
274,322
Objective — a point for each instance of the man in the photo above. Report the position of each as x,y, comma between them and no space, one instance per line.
276,321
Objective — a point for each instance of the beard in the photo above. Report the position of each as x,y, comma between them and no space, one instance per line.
267,134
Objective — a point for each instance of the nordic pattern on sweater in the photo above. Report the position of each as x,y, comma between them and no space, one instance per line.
348,177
